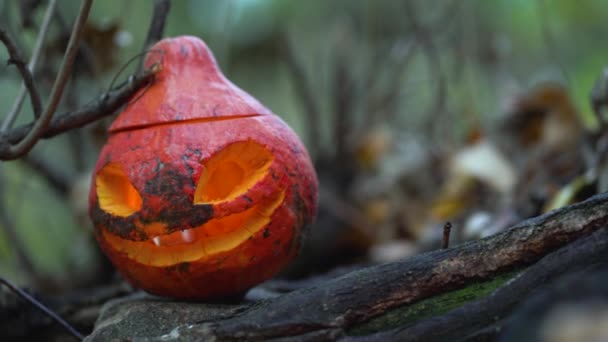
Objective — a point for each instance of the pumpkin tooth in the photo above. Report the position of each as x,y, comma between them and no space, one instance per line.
187,236
156,240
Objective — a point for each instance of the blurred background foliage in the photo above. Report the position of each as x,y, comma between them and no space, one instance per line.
396,90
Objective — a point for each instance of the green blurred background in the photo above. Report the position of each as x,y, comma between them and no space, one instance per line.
446,64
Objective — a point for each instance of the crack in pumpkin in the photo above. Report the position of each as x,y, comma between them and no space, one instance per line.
181,122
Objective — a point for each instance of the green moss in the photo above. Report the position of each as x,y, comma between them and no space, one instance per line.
430,307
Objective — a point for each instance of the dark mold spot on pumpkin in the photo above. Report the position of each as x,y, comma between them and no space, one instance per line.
248,199
124,227
165,182
185,217
266,233
178,212
295,149
194,151
189,169
273,175
289,172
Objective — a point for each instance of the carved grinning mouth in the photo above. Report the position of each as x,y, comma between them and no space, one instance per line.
215,236
228,174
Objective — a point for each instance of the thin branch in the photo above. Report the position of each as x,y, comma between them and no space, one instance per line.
104,106
447,228
85,51
28,79
157,24
26,296
23,146
304,91
44,28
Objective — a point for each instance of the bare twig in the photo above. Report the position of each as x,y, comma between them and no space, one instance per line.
157,24
447,227
28,79
304,90
26,296
44,28
104,106
85,51
23,146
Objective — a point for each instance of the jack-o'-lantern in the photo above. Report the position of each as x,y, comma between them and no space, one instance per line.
200,192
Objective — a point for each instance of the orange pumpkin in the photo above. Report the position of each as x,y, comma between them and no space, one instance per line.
200,192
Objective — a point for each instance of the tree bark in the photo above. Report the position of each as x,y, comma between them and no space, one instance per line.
487,311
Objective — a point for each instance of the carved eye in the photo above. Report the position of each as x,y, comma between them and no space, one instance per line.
232,171
116,194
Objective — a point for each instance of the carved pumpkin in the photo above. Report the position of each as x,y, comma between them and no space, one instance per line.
200,192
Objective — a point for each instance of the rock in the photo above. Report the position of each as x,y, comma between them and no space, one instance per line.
142,316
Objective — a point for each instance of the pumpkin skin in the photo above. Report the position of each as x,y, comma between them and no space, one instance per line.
200,192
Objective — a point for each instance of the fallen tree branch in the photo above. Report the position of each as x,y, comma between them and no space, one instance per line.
362,295
357,297
477,315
